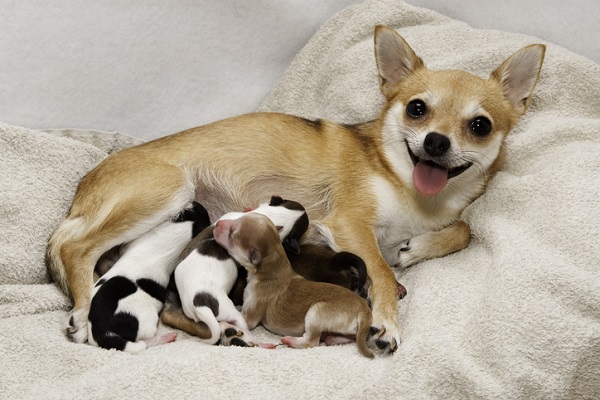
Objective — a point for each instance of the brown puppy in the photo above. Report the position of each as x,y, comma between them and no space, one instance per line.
390,191
283,301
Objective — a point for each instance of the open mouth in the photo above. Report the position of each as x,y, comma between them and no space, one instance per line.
430,178
452,172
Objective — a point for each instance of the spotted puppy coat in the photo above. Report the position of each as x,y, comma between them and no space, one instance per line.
206,274
126,301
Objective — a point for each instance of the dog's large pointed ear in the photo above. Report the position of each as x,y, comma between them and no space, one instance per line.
395,59
519,74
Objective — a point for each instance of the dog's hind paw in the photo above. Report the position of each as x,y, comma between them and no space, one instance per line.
77,330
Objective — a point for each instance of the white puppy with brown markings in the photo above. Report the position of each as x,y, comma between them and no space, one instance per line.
283,301
206,273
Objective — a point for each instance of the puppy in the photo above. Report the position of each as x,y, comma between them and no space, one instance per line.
126,301
314,262
390,190
283,301
205,273
321,264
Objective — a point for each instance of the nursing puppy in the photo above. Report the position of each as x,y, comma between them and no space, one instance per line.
321,264
283,301
314,262
206,273
126,300
390,190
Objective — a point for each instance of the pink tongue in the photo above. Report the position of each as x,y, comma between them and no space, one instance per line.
429,179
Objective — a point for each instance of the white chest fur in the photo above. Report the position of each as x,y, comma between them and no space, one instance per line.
401,217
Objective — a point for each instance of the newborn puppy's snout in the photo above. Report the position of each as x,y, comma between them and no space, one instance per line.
221,231
218,229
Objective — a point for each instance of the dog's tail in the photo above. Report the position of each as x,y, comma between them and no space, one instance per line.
206,316
364,326
67,230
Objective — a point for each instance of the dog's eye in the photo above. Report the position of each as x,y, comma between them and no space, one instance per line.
416,108
481,126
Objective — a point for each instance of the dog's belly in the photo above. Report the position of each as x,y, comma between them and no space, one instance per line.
245,160
227,195
286,330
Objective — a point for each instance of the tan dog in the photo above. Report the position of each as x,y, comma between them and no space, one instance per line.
390,191
283,301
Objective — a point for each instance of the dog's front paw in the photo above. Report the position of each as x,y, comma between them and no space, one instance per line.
384,339
77,329
407,253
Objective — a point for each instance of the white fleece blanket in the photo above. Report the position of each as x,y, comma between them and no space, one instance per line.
515,315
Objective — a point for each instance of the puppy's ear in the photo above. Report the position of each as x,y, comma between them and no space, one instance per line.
519,74
254,256
276,201
395,59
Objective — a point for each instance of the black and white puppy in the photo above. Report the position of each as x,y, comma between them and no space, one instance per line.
205,273
127,300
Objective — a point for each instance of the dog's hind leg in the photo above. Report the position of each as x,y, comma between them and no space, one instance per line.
314,328
160,339
232,317
115,204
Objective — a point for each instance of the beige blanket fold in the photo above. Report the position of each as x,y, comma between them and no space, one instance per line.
516,315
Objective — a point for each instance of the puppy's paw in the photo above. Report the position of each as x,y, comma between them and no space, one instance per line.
231,335
384,339
77,330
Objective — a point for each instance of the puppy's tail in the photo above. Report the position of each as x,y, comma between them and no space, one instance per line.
364,325
67,230
206,315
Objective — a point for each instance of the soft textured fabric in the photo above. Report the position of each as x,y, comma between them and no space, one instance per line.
515,315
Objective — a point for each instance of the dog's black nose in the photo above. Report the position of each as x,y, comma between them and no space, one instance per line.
435,144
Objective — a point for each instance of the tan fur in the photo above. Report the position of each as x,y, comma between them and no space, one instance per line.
283,301
176,318
354,180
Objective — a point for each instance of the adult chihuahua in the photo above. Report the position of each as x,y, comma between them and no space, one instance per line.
390,191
